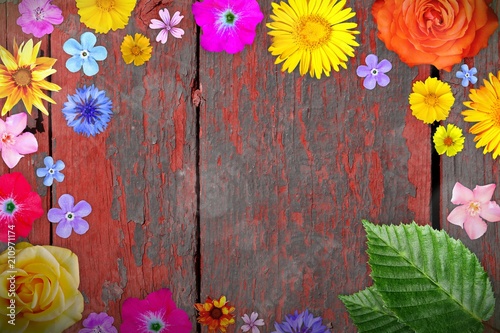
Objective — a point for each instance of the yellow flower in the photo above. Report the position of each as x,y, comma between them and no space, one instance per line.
136,49
313,33
215,314
22,76
485,111
431,100
103,15
40,292
448,140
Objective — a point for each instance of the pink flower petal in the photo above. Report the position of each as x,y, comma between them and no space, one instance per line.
165,16
245,328
484,193
10,156
176,19
475,227
156,24
26,143
458,216
162,36
177,32
490,212
16,124
461,195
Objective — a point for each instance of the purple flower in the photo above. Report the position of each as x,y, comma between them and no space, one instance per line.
70,216
251,323
167,25
304,322
467,75
98,323
38,17
374,72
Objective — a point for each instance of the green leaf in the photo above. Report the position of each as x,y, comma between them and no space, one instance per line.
432,282
370,315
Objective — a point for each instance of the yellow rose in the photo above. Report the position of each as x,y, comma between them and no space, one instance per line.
39,292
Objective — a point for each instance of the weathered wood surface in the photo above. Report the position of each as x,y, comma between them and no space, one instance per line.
288,167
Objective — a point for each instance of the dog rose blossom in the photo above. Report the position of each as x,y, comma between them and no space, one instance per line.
440,33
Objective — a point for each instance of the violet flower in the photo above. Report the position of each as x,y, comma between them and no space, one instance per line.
51,171
475,206
167,25
14,144
69,216
251,323
374,72
467,75
301,322
38,16
98,323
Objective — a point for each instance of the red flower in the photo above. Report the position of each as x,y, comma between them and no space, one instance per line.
19,207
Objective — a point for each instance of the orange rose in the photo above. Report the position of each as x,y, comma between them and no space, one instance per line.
440,33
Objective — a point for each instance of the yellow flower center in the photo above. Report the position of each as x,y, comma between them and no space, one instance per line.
474,208
448,141
431,99
105,5
136,50
312,32
22,77
8,139
216,313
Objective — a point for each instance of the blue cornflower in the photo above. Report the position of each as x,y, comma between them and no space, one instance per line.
467,75
88,111
84,54
51,171
304,322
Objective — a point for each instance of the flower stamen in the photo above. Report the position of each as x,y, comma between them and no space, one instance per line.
474,208
22,77
312,32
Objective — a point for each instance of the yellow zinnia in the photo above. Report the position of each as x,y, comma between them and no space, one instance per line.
136,49
103,15
449,140
431,100
22,76
313,33
485,111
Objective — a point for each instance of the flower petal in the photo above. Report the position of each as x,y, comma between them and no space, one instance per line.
99,53
88,40
384,66
80,226
26,143
369,82
66,202
363,71
458,216
72,47
371,60
461,195
90,67
475,227
382,79
165,16
82,209
10,157
177,32
63,229
48,180
484,193
74,64
490,212
56,215
156,24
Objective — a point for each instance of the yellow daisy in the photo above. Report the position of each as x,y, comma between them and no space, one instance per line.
103,15
431,100
136,49
485,111
449,140
217,315
22,77
313,33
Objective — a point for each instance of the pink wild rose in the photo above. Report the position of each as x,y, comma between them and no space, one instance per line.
227,25
475,206
38,17
14,144
157,313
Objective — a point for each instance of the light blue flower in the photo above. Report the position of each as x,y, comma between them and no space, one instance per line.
467,75
88,111
84,54
51,171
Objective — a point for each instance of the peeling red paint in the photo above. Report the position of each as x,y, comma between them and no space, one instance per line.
177,155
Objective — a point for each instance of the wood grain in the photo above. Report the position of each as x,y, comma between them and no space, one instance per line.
289,167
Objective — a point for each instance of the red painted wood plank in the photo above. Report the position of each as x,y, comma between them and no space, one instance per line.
289,167
470,167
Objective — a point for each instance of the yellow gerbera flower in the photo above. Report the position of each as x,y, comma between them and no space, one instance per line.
431,100
103,15
485,111
215,314
136,49
22,76
313,33
449,140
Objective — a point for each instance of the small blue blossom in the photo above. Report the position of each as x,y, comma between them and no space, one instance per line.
84,54
51,171
374,72
88,111
467,75
304,322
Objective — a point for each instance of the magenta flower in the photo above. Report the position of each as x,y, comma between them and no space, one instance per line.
38,17
167,25
251,323
157,313
474,207
69,217
98,323
227,25
374,72
15,144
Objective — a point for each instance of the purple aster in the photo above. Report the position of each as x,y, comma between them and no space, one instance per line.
304,322
70,216
374,72
51,171
38,16
101,323
467,75
88,111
